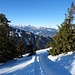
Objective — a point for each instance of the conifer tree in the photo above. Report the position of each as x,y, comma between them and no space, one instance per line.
7,46
64,40
20,47
4,32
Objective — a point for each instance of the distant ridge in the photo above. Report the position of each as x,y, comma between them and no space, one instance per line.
38,30
39,41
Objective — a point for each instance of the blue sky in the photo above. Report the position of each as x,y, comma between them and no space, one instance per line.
35,12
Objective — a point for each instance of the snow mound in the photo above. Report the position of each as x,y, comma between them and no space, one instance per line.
65,60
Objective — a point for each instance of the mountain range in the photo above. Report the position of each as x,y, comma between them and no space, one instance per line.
38,30
38,41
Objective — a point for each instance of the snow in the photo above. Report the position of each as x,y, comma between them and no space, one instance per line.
40,64
19,34
10,67
66,60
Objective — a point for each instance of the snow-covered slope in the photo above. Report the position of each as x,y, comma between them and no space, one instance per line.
66,60
38,64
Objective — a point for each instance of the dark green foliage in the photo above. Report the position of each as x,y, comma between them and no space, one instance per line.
20,47
12,53
64,40
7,42
31,49
48,45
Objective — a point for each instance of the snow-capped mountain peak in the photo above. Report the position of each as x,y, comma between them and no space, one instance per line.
38,30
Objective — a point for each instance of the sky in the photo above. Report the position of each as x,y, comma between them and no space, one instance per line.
35,12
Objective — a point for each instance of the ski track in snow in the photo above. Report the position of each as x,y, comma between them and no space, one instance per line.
38,64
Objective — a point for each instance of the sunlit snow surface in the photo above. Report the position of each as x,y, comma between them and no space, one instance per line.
66,60
39,64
